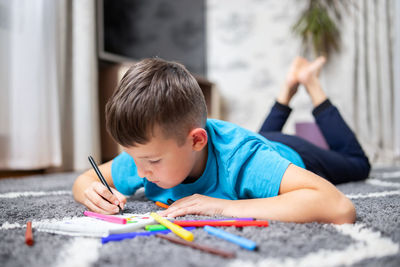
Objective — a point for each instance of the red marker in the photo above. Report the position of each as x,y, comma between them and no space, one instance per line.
28,234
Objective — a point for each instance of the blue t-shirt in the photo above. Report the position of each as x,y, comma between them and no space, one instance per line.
240,165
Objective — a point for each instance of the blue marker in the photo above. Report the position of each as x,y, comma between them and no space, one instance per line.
122,236
241,241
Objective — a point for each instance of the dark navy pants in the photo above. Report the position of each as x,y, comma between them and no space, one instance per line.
345,161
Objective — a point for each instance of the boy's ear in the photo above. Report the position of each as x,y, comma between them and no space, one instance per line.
198,137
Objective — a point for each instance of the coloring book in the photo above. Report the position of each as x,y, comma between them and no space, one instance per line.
92,227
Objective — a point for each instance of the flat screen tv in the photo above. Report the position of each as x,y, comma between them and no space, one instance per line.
129,30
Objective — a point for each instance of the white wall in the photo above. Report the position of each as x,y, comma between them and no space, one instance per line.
248,51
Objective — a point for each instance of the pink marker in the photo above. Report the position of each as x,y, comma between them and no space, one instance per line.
103,217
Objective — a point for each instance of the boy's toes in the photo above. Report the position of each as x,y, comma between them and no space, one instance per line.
317,64
297,63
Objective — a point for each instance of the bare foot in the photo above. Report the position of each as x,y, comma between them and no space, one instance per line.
289,89
308,76
310,70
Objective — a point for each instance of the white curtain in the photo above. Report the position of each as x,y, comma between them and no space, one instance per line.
396,56
375,82
48,83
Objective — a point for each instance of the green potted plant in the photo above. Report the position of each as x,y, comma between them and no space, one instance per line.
318,28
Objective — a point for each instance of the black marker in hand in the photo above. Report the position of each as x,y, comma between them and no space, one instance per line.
101,177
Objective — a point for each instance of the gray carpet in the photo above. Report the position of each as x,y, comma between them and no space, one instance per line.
373,241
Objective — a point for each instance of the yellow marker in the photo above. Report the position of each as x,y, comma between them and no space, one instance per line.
185,234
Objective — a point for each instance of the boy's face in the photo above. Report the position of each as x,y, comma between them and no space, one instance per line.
162,161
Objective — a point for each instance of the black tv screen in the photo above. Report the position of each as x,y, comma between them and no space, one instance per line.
129,30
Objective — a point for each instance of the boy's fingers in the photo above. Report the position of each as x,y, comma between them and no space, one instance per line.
100,202
182,200
91,206
182,211
121,198
185,202
105,193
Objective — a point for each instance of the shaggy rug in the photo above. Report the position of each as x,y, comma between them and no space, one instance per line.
374,240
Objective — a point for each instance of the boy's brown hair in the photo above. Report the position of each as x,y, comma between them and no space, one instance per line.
155,92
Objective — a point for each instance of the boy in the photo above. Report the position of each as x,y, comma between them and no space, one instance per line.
209,167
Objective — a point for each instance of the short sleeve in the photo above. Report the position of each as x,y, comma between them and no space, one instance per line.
124,174
261,174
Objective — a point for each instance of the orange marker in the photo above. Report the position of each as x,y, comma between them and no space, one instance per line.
28,234
162,205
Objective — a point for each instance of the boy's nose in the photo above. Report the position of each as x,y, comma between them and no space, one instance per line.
143,173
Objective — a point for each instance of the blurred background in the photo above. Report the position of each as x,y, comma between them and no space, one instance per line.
60,61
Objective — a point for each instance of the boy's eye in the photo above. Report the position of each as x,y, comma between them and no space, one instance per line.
154,161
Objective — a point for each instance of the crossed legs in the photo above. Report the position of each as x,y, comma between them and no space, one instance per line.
345,160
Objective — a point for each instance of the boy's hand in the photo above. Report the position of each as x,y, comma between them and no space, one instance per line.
196,204
99,199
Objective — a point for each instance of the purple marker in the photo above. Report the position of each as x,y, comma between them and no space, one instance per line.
218,220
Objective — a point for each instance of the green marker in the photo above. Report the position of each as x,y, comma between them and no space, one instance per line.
155,227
